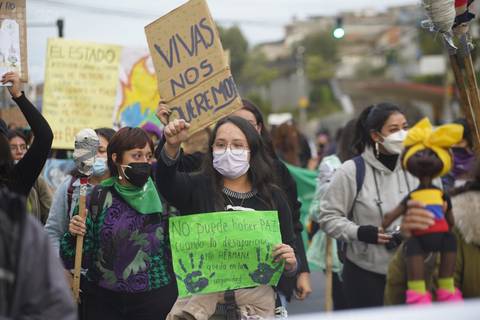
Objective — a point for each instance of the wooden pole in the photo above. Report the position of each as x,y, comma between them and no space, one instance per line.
79,247
465,102
472,89
329,276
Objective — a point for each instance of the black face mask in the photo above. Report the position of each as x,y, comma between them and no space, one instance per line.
137,173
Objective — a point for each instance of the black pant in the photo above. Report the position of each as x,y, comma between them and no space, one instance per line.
339,300
363,289
103,304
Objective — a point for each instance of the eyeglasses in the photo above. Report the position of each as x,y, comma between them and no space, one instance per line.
237,148
22,147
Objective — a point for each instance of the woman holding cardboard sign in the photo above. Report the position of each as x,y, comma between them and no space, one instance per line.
189,163
237,175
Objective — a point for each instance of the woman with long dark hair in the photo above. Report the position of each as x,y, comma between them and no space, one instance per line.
236,173
354,213
300,286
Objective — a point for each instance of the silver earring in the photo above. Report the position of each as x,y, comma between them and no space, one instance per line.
377,152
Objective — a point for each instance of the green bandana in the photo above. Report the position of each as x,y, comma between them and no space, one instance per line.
145,200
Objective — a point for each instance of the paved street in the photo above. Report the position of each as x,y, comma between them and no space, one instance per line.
315,302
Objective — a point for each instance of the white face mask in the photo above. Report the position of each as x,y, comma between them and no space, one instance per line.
393,143
231,165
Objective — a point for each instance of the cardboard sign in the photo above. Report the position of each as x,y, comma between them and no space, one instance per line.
194,78
214,252
13,38
80,87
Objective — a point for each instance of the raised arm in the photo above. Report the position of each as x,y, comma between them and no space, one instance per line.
177,187
28,169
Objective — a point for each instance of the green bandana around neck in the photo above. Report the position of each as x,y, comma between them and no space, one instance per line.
145,200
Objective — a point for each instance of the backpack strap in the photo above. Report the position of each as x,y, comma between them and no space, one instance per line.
230,305
70,194
97,201
359,178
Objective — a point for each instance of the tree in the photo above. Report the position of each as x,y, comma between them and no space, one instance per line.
317,69
320,60
233,40
321,44
257,71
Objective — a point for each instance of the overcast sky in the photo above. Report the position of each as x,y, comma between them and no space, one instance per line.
122,21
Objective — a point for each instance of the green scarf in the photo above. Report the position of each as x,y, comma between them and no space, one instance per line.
145,200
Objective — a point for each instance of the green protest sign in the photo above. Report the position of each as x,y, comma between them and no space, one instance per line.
214,252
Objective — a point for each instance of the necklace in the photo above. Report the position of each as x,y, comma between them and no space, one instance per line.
231,202
238,195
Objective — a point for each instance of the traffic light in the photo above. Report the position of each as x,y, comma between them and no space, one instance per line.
60,28
338,31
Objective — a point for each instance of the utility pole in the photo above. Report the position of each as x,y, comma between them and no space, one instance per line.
301,85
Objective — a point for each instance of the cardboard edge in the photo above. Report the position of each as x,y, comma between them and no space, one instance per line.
188,3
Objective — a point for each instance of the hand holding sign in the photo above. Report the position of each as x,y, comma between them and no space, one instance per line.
163,113
16,87
175,133
285,252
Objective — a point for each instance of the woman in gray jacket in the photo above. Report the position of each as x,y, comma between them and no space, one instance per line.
356,217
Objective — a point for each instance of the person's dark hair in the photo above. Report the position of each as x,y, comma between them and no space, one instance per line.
267,139
106,133
260,172
17,133
373,118
324,132
467,133
345,149
123,140
6,160
286,141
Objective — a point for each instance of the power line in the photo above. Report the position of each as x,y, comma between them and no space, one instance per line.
125,13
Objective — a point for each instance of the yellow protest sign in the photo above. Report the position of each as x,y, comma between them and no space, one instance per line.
194,78
80,87
13,38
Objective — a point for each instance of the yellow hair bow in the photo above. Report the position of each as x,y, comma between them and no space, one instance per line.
423,136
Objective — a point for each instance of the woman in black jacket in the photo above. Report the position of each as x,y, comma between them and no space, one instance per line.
284,180
20,177
301,285
237,173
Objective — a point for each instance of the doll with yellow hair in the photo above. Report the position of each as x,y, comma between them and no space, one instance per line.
427,156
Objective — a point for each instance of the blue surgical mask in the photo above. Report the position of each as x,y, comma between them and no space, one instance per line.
99,167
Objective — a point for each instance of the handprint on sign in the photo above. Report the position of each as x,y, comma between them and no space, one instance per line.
194,281
264,272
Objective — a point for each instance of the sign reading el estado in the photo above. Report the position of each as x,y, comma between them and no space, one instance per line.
80,87
194,78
